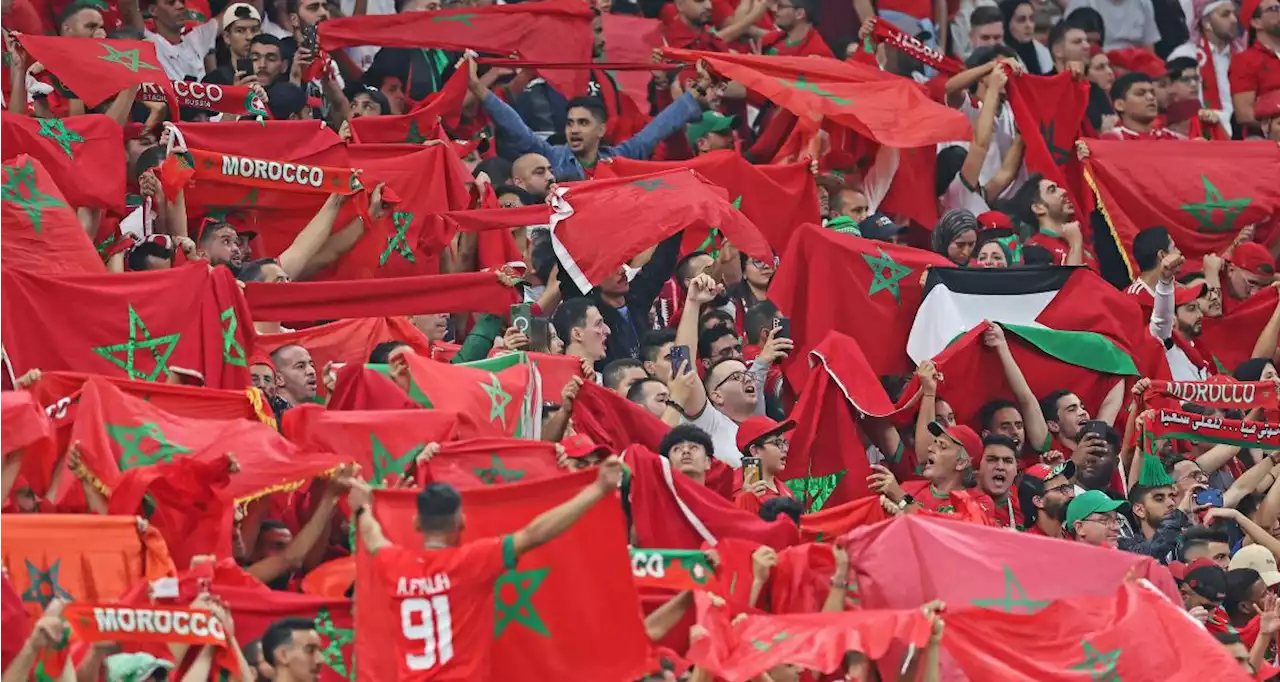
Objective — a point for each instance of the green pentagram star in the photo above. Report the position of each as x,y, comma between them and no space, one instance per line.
711,245
1012,588
130,440
801,84
126,58
762,645
44,585
20,188
232,351
1060,155
56,130
459,18
338,638
414,136
1214,201
498,399
384,463
816,489
399,242
521,610
1100,666
221,212
138,329
888,273
497,472
651,185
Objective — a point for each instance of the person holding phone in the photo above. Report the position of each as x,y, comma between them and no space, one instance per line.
241,23
763,444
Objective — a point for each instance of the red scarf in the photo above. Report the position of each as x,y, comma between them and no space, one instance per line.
1243,395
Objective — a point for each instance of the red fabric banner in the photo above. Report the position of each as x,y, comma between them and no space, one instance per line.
255,609
1178,425
1235,395
26,428
1050,110
40,232
66,147
440,108
834,521
95,69
237,100
576,589
1232,336
385,443
197,165
99,622
631,39
489,403
347,342
479,292
611,420
480,462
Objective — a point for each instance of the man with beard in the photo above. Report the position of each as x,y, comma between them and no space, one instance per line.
713,132
219,243
1256,71
1214,43
690,26
1066,416
532,173
293,650
1021,422
796,35
651,394
1091,519
943,474
295,374
1250,267
1160,522
1041,202
1133,96
1045,491
996,471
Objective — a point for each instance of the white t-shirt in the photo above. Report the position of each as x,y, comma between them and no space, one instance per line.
1003,134
959,196
723,432
1130,23
187,57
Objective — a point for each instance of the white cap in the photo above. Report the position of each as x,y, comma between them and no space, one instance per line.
1260,559
230,14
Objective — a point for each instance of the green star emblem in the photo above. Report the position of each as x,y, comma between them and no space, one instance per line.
888,273
131,439
521,609
805,86
651,185
497,472
459,18
221,212
498,399
20,188
711,245
44,584
1014,597
414,136
232,351
399,242
384,463
140,339
816,489
56,130
1100,666
129,59
1048,132
338,638
1213,202
762,645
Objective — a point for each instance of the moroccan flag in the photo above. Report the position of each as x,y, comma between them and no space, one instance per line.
17,623
348,341
631,39
661,204
384,443
577,589
831,281
415,127
358,387
118,432
875,104
95,69
141,326
41,232
1131,633
66,147
833,521
1231,337
774,197
826,463
553,31
256,609
1204,193
908,561
500,394
738,650
612,420
555,371
1051,110
26,428
480,292
480,462
671,511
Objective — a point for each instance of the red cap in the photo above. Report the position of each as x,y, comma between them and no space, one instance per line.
756,428
963,436
580,445
993,220
1248,8
1184,295
1268,106
1254,258
1138,59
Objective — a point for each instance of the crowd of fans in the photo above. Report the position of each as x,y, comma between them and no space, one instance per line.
691,336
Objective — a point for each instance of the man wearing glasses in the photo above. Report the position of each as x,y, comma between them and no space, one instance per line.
1044,493
1092,519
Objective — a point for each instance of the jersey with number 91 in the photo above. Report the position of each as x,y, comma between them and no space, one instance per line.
442,601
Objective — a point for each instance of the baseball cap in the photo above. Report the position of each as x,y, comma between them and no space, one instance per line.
1032,484
995,220
1043,472
1090,502
963,436
757,428
239,10
1207,579
711,122
134,666
580,445
1255,258
1183,295
1260,559
1268,106
879,226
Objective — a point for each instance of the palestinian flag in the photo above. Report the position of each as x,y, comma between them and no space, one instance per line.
385,443
481,462
501,396
66,147
39,231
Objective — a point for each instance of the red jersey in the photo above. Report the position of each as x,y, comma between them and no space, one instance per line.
1256,70
1123,133
811,44
934,501
749,502
1059,248
1007,513
442,602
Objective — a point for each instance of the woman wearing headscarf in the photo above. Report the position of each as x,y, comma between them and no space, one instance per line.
955,236
1020,34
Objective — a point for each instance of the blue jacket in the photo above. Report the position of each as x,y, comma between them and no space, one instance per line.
515,138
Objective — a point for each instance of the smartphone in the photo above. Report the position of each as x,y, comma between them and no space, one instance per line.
522,317
1209,496
1095,426
680,354
245,66
750,470
783,325
310,39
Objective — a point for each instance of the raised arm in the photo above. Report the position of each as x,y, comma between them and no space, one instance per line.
1032,417
295,553
312,237
983,130
555,521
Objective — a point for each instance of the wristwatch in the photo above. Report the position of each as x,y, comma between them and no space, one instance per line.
906,501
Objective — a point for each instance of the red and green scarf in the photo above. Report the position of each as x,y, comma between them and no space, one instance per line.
1243,395
1179,425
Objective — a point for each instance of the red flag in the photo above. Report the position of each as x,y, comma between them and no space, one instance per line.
631,39
237,100
95,69
575,590
347,341
256,609
877,105
612,420
911,192
1051,111
774,197
1204,193
553,31
1232,336
26,428
66,147
142,326
831,281
41,232
661,204
1133,633
555,372
17,622
480,292
480,462
385,443
415,127
834,521
493,397
359,388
